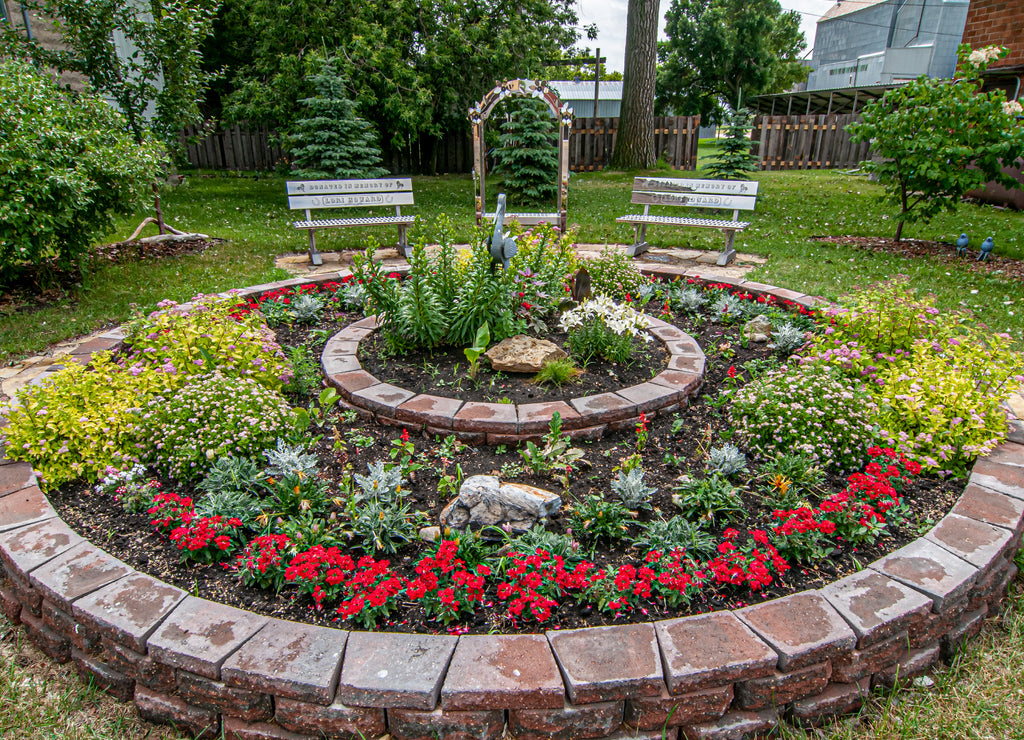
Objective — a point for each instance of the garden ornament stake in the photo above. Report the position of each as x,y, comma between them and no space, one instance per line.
986,249
503,247
962,242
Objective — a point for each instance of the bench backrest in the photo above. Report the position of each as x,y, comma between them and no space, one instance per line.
387,192
739,195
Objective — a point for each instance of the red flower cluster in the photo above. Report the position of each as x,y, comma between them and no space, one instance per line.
535,581
445,586
262,561
206,539
170,511
750,563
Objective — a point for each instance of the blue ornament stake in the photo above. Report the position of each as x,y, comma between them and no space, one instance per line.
986,249
962,243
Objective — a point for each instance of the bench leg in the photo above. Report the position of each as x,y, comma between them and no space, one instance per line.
728,254
403,242
640,244
314,255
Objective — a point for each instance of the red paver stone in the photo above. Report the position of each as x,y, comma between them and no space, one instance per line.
24,506
669,333
1007,453
1008,479
568,723
349,383
199,635
687,364
782,688
128,610
297,661
979,544
412,724
803,629
992,507
650,396
501,672
170,710
654,712
433,410
238,729
932,570
875,606
685,383
395,670
838,698
103,676
604,407
608,663
253,706
15,476
335,720
733,725
970,625
51,642
710,649
142,668
29,547
857,664
493,418
369,322
535,418
75,573
382,398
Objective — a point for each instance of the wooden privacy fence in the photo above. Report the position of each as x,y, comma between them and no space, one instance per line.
814,142
591,142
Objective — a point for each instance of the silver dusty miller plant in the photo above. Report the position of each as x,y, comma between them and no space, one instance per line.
290,460
382,484
632,491
726,460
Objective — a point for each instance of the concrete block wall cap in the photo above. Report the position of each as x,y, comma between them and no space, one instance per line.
875,606
802,628
199,635
499,671
608,663
289,659
382,398
350,382
1008,479
129,609
978,543
494,418
711,648
78,571
24,506
335,720
26,548
650,396
436,411
395,670
930,569
16,476
1008,453
536,417
604,407
991,507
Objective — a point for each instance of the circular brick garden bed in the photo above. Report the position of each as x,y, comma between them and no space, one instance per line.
209,668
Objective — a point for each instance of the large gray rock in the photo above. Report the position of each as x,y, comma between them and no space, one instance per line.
484,501
758,329
523,354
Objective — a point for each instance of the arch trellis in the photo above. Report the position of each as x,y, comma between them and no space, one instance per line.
479,113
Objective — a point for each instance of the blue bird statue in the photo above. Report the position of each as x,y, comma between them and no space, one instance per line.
503,248
962,242
986,249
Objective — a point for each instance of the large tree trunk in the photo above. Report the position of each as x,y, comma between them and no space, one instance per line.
634,145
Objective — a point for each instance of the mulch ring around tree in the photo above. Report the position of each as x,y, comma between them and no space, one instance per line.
943,252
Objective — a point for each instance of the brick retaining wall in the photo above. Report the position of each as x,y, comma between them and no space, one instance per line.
208,668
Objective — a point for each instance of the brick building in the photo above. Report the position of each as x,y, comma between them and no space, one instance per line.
997,23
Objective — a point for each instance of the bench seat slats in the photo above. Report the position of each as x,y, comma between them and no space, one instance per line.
527,219
709,223
368,221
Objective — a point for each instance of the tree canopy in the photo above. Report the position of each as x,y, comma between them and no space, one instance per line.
717,48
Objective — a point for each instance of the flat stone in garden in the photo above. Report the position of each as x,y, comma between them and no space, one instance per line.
297,661
27,548
15,476
1008,479
686,383
495,418
686,364
932,570
24,506
395,669
803,628
668,333
876,606
199,635
129,609
711,648
501,671
685,347
608,663
523,354
76,572
350,382
991,507
977,543
484,501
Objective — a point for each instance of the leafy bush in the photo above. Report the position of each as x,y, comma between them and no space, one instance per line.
527,152
687,300
80,421
230,504
788,339
230,474
67,166
811,409
182,341
213,416
734,159
615,275
286,459
599,327
593,520
539,538
708,499
557,457
791,477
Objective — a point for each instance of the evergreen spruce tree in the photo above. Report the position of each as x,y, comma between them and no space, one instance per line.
330,140
735,157
527,154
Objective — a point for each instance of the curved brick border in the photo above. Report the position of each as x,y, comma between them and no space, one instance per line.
209,668
587,417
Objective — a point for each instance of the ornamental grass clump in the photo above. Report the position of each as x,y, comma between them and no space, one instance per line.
810,408
599,327
213,416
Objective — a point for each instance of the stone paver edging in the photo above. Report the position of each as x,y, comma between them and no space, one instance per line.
210,668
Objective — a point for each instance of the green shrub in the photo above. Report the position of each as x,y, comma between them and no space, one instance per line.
615,275
811,409
675,533
213,416
594,520
67,166
708,499
182,341
80,421
527,153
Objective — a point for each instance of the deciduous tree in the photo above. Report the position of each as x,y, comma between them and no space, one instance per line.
634,144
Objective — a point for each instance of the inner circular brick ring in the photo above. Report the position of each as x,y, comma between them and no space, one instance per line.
585,417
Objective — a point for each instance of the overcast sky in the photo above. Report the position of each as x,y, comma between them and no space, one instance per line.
610,17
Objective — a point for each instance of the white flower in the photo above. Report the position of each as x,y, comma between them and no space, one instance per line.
1012,107
986,54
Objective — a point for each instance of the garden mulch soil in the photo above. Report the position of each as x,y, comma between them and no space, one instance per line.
678,444
943,252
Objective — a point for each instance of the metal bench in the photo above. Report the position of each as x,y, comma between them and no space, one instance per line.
384,192
738,195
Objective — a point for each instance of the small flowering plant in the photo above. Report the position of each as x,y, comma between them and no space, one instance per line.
207,539
599,327
446,586
264,560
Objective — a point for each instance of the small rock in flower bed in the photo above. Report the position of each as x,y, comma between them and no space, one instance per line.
523,354
484,501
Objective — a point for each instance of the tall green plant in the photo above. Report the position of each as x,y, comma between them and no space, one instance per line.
735,158
934,140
